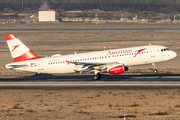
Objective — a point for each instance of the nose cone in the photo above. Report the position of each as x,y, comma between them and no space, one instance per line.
173,54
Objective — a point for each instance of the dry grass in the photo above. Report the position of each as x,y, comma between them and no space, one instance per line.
76,104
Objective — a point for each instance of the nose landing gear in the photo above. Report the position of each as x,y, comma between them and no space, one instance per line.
154,66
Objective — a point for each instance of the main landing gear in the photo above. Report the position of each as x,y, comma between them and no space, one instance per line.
154,66
97,76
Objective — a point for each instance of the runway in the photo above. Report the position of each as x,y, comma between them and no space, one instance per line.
80,30
86,80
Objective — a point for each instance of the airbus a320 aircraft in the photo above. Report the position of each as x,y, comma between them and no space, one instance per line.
115,61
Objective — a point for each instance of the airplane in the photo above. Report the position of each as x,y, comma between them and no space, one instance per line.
113,61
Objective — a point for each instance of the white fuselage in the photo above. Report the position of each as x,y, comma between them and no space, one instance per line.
127,56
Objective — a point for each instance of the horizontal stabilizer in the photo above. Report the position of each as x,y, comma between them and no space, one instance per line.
17,66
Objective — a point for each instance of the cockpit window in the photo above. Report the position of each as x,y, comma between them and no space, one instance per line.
165,49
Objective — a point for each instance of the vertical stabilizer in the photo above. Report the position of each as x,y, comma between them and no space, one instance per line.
18,50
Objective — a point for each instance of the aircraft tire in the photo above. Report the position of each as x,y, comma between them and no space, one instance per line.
97,77
155,71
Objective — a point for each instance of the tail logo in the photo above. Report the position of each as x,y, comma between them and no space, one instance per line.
14,47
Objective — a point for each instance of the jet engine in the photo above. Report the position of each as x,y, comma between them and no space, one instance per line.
117,69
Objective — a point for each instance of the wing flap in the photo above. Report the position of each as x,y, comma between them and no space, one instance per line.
90,66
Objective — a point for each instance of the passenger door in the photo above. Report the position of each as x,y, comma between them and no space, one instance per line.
152,52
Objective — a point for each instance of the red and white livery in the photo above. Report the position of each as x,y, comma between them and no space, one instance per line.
115,61
18,50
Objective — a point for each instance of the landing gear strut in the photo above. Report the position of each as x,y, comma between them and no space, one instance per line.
97,76
154,66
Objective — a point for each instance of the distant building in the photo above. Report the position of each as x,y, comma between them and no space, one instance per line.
76,11
47,16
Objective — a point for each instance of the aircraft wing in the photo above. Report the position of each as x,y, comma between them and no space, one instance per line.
89,66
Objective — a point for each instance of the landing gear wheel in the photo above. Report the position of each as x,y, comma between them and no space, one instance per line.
97,77
154,66
155,71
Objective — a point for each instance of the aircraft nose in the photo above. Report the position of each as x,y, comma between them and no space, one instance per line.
174,54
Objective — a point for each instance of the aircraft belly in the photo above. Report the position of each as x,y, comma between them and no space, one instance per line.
64,68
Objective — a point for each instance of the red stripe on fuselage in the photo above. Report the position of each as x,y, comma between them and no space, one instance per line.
10,37
27,56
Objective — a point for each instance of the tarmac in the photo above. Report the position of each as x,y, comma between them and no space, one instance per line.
46,80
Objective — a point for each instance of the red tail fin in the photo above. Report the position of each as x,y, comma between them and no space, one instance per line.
18,50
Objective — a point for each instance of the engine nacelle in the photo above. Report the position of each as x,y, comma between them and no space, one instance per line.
117,69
